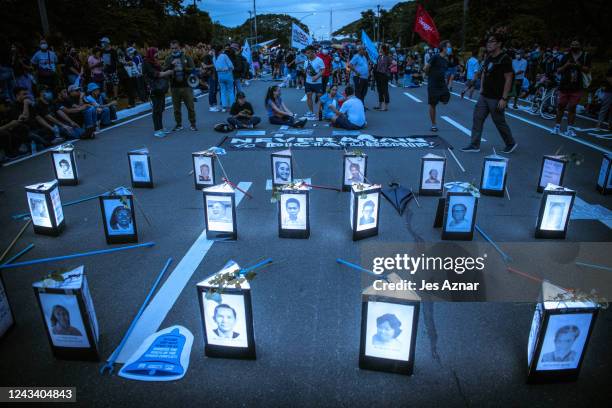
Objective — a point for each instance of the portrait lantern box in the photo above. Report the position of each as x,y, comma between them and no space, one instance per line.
203,169
294,212
227,317
604,180
494,175
69,316
559,335
119,216
552,171
64,165
459,216
555,211
432,175
354,170
46,208
140,168
365,210
282,168
7,319
389,323
220,212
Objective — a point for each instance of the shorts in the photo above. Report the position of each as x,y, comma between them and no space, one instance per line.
451,71
314,88
111,78
516,87
472,83
569,99
343,123
433,98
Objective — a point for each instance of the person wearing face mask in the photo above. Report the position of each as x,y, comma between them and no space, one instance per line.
157,83
45,63
182,65
519,66
48,119
453,63
110,63
437,89
72,68
573,68
327,60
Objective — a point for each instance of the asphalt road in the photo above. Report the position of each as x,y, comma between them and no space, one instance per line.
306,307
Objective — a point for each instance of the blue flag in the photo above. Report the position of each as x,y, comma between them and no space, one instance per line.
246,53
369,46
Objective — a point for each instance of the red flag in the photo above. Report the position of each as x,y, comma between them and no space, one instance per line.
426,28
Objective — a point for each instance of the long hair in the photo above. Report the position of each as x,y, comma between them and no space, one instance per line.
54,319
270,94
113,220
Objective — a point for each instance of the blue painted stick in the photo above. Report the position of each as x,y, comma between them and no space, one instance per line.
27,214
497,248
244,271
78,255
18,254
361,269
111,360
605,268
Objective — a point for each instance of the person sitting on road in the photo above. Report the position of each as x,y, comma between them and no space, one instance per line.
106,110
330,102
242,114
278,113
352,113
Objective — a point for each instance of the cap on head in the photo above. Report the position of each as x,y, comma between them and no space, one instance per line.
105,40
73,88
92,86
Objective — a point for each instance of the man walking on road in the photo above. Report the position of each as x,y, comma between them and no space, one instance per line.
182,65
437,90
495,85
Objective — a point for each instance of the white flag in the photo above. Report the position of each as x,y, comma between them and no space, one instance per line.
246,53
299,38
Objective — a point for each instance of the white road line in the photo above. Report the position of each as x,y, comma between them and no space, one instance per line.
158,308
582,142
414,98
465,97
465,130
392,85
303,99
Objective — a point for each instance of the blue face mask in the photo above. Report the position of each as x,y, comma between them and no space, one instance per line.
48,96
449,50
176,54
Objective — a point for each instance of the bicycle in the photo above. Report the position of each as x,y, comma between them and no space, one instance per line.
544,102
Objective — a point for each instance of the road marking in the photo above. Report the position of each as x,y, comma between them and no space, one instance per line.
391,84
465,97
465,130
303,98
414,98
157,310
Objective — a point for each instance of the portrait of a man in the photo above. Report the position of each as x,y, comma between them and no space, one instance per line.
433,172
564,341
282,171
354,170
433,177
65,168
226,321
565,338
293,213
495,177
460,213
39,208
218,212
554,219
367,213
140,171
204,174
225,318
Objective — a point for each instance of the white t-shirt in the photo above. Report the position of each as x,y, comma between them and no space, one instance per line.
519,65
353,108
318,65
472,67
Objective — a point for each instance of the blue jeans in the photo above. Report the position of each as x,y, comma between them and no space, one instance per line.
7,81
237,85
90,117
226,84
105,116
212,91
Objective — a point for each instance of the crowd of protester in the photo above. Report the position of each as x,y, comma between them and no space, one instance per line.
50,95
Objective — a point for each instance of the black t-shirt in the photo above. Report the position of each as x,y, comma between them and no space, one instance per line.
494,69
571,77
42,109
237,108
452,61
436,77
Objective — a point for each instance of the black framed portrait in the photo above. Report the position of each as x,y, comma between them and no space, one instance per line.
494,176
294,212
64,165
141,173
604,178
119,216
282,168
560,332
46,208
388,334
220,212
555,210
354,169
459,216
552,171
365,210
69,316
431,181
7,318
203,169
227,318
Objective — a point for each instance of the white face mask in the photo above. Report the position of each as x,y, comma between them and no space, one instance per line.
324,52
44,46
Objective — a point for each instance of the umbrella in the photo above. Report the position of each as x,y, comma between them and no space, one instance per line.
398,196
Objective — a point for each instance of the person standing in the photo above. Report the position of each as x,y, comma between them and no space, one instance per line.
472,69
158,87
208,67
606,101
573,67
327,60
495,84
181,65
519,66
110,66
45,62
437,89
382,72
453,63
360,69
314,68
224,68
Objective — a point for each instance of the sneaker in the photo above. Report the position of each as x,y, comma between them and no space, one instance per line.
213,109
223,110
166,131
470,149
434,129
159,133
570,132
177,128
556,130
510,148
193,128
